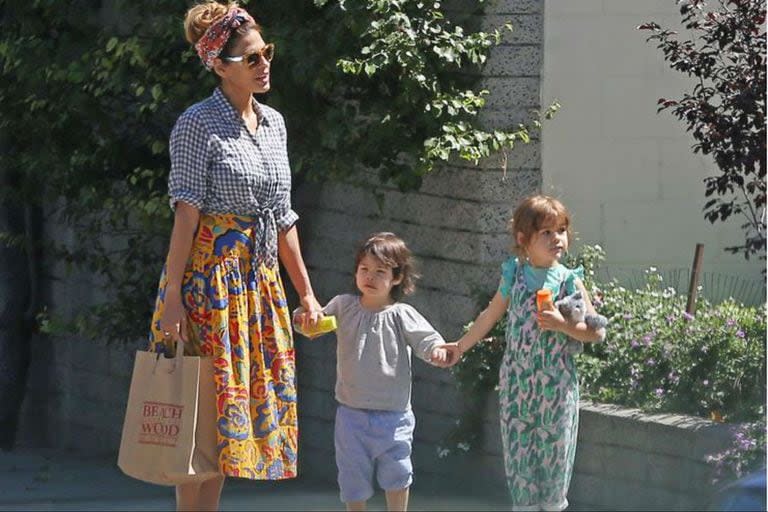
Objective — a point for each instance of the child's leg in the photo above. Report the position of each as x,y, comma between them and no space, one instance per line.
355,506
394,466
353,459
397,500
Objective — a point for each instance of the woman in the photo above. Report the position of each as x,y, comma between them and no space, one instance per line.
220,292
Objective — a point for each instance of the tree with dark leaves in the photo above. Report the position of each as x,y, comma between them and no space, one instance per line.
725,111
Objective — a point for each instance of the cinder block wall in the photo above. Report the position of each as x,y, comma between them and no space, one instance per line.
455,225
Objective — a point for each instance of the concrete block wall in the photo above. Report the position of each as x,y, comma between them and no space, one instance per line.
456,227
76,395
627,460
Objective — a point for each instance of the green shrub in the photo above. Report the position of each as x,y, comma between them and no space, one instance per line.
659,358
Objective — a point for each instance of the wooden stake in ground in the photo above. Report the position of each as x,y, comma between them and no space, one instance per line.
690,308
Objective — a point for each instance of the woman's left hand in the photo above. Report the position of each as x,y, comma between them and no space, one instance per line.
313,311
551,320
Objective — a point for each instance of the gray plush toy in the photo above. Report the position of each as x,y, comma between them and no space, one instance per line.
573,307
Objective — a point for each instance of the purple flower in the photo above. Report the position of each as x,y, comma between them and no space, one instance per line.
627,316
730,322
659,392
670,319
744,442
634,344
688,316
651,362
740,333
647,339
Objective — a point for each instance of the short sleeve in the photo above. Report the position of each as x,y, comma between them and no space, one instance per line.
333,308
285,216
189,153
419,333
570,279
508,270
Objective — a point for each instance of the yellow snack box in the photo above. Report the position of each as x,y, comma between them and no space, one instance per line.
324,325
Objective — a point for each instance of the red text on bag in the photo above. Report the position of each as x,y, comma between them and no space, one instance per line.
161,423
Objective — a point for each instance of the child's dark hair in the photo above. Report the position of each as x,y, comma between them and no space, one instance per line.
533,214
391,250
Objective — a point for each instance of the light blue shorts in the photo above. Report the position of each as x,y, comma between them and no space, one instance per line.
369,442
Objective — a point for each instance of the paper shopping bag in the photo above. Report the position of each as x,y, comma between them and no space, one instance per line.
169,432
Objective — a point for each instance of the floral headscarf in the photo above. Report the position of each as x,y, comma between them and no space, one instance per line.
215,38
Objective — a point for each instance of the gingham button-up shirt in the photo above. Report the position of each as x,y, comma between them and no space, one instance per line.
219,167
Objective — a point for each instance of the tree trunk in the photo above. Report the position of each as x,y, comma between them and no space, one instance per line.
18,306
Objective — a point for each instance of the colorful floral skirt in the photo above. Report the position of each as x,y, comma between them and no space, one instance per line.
238,314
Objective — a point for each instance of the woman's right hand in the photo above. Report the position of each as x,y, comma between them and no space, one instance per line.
173,323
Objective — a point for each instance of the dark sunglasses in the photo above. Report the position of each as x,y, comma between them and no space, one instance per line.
254,58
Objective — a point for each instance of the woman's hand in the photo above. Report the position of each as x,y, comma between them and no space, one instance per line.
173,323
313,311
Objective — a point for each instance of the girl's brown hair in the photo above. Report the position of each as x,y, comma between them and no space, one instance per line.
534,213
201,16
391,250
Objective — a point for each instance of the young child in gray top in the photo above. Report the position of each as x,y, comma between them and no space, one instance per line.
375,338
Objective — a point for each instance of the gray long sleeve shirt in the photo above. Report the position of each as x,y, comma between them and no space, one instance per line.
373,363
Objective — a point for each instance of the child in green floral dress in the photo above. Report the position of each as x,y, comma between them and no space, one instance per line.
538,385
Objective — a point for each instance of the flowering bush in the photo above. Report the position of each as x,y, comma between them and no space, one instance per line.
659,358
656,357
746,454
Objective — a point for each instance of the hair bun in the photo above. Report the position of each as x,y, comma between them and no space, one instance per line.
199,17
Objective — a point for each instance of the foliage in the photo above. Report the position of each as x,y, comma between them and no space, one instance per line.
389,81
725,111
660,358
656,357
89,97
746,454
86,114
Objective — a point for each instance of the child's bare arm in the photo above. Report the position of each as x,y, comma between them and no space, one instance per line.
483,323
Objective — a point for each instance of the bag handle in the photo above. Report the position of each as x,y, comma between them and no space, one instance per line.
178,356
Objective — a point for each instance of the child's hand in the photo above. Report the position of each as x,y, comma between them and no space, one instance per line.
452,354
439,357
551,320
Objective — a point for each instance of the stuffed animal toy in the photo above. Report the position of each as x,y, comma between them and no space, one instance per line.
574,309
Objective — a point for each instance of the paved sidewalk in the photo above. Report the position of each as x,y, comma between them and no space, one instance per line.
49,480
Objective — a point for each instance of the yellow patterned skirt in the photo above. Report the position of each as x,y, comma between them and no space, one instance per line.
238,314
